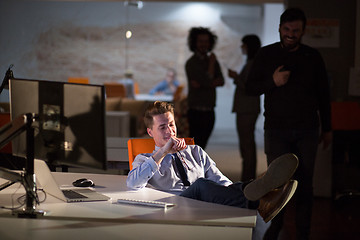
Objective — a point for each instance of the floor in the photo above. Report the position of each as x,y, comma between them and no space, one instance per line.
332,219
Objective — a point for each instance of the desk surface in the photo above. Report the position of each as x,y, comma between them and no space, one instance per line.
148,97
187,217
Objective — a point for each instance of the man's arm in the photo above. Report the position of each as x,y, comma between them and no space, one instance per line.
199,77
218,77
144,167
324,103
156,88
261,75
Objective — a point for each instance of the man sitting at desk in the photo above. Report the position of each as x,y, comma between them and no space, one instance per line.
167,86
189,171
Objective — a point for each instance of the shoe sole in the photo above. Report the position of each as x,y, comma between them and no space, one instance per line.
293,186
278,173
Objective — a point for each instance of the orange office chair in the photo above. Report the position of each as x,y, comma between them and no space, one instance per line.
82,80
114,89
136,88
178,92
145,145
5,119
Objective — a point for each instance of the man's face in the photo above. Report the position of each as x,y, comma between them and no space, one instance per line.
291,34
170,76
203,43
243,48
163,128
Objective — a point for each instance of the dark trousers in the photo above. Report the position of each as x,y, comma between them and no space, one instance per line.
304,144
201,124
209,191
245,125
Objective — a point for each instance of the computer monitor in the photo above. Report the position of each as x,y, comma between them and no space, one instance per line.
70,121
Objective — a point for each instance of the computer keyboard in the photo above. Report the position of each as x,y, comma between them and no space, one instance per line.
146,203
72,194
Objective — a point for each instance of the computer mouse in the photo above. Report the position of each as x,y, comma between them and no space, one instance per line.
83,182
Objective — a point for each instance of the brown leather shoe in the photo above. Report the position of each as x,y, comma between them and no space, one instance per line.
274,201
278,173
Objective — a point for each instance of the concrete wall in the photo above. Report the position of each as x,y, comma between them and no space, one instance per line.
57,40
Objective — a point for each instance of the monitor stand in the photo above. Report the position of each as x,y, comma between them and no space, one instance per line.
9,131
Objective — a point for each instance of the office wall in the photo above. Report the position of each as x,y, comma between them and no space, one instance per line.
56,40
339,59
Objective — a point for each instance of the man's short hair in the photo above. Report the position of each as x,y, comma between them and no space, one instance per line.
154,109
293,14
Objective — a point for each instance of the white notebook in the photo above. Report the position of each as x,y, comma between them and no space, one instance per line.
46,181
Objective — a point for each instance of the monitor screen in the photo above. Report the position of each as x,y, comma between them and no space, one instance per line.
69,121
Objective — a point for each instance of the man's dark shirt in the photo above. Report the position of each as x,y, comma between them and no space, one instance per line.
298,103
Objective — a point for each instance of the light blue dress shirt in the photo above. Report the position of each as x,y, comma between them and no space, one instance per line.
197,164
164,87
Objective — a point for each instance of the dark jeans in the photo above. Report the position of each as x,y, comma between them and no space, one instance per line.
210,191
245,125
304,144
201,124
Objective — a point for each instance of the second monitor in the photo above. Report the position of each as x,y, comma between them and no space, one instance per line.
70,121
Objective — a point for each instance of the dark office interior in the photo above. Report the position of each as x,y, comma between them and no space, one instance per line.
57,40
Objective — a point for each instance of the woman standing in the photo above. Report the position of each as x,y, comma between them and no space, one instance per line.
247,109
204,75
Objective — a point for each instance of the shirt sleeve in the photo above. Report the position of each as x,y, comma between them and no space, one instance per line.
158,87
176,83
198,71
323,93
260,76
144,167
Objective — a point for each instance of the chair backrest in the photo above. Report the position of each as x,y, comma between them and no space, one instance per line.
178,92
113,89
145,145
82,80
136,88
5,119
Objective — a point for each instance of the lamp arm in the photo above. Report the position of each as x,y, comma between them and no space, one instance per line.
7,133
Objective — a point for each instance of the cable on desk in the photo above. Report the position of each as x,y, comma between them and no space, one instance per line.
22,199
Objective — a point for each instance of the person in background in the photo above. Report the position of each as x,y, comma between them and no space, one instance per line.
294,80
204,76
128,82
188,171
167,86
247,109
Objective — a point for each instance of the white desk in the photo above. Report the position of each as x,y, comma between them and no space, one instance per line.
189,219
152,98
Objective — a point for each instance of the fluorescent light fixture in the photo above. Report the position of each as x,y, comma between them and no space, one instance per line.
199,12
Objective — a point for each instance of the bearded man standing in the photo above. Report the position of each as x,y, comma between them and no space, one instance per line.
294,80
